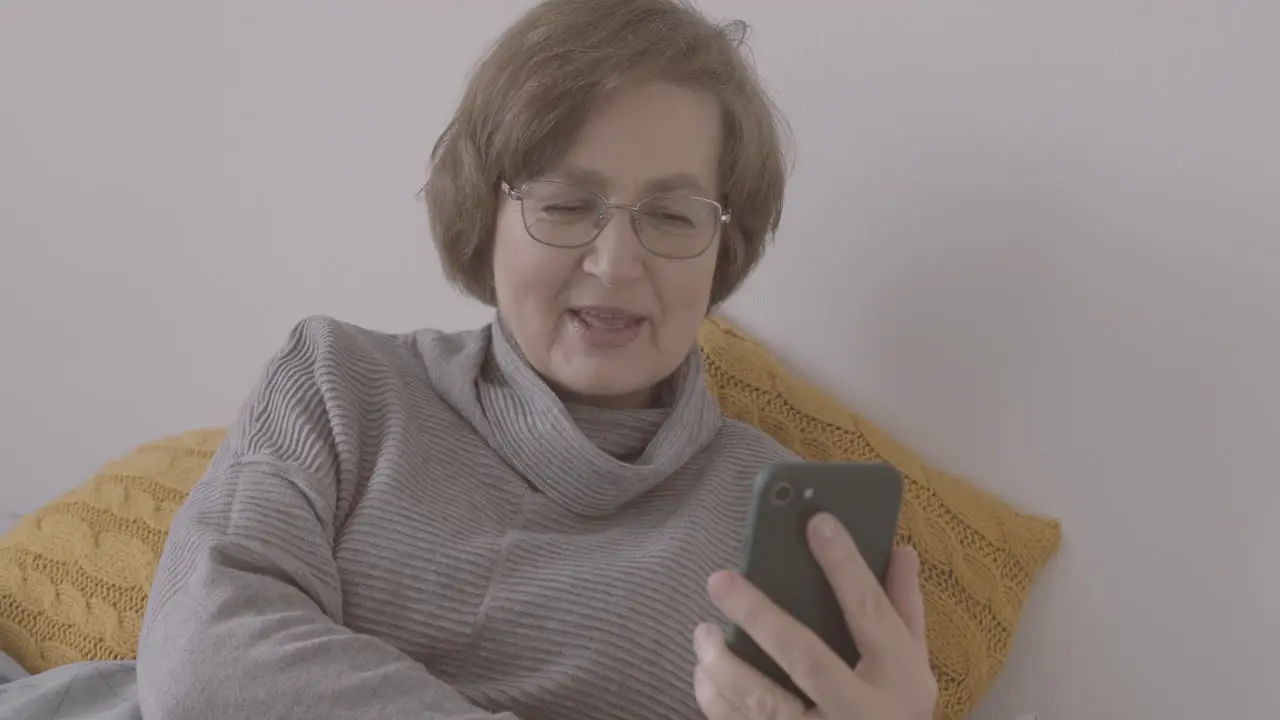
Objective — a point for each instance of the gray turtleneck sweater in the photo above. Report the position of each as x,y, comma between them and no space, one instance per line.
414,526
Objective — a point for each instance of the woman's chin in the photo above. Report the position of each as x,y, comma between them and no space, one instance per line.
618,377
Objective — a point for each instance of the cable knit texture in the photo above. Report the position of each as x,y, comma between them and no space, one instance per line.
75,575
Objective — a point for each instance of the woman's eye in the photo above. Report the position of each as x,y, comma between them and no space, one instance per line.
670,218
566,208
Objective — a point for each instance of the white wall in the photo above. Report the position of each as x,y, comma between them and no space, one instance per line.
1039,241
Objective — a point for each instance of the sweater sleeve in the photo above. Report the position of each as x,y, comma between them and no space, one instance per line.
245,613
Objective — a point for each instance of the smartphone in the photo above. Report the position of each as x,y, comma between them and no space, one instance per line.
865,497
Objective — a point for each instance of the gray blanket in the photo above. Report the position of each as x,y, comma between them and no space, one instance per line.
84,691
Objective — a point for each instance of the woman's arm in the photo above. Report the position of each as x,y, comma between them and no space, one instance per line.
245,613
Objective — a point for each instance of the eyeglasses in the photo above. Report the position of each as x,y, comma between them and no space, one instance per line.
562,215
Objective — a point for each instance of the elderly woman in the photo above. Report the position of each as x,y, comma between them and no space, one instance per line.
533,519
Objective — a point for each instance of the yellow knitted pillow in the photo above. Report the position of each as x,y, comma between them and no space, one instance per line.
978,555
74,575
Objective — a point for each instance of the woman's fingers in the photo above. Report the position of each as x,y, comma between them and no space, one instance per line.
903,587
812,666
737,685
877,628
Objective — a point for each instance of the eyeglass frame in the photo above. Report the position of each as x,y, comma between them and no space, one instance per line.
722,216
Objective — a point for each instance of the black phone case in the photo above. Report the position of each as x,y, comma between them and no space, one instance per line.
866,497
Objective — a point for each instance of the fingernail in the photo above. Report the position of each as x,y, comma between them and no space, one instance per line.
720,584
913,557
823,526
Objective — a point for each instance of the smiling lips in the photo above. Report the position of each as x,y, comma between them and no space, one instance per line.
606,327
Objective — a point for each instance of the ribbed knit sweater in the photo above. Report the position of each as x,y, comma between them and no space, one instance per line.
416,527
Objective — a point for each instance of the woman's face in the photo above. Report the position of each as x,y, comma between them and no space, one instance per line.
606,322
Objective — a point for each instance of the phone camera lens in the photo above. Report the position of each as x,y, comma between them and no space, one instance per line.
782,494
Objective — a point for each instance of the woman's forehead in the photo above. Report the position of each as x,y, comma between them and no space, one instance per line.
654,138
678,182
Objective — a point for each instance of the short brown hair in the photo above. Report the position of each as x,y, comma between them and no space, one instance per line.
529,96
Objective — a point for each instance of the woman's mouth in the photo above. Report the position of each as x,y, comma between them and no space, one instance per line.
606,327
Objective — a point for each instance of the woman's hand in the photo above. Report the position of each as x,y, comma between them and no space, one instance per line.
892,680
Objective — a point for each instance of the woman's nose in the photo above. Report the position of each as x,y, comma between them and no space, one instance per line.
616,257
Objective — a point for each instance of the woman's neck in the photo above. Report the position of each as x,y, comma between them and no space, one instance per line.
589,459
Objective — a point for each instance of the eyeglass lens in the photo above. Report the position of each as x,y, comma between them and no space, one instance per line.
564,215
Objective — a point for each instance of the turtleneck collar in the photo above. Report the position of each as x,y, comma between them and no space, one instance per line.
590,460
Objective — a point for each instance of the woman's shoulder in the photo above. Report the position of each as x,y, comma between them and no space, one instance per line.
332,379
327,335
372,372
334,367
323,340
